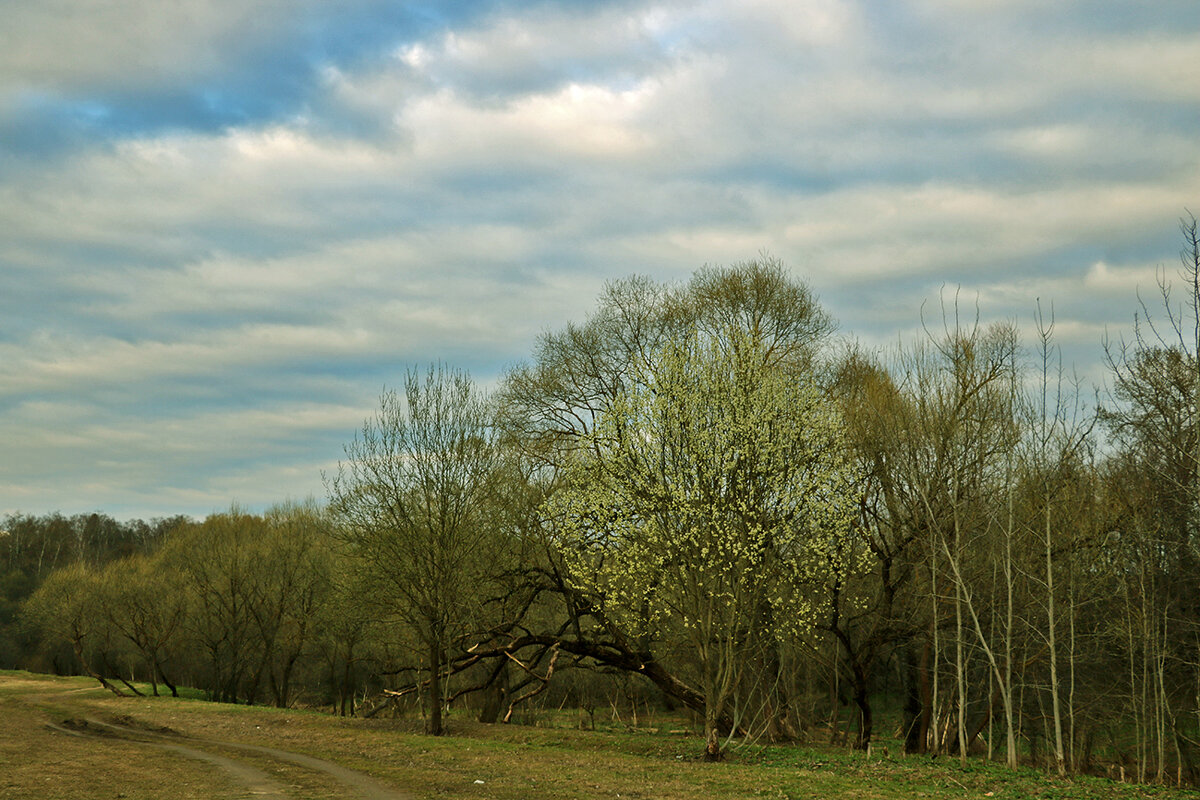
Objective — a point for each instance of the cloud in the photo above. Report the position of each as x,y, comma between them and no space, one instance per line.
219,246
75,71
158,465
1123,280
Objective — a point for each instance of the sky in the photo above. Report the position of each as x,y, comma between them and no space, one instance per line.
227,226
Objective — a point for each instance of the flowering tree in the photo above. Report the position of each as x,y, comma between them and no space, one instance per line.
715,485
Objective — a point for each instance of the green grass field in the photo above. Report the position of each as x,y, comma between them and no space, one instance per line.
66,738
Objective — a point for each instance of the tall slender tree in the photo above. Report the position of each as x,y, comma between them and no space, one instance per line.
409,500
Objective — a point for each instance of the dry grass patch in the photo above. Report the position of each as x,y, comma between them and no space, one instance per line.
524,763
37,762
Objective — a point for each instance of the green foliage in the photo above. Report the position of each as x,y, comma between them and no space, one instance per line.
411,502
713,499
712,484
65,606
409,498
252,585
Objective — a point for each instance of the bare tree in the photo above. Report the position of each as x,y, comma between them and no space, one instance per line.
409,500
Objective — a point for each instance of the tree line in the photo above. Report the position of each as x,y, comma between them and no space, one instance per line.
701,485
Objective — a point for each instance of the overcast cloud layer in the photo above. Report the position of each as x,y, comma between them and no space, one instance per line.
228,225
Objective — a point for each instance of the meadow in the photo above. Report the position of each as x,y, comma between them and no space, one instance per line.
67,738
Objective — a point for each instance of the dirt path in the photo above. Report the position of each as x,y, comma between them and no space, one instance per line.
259,783
367,787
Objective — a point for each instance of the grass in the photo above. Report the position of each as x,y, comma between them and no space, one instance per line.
36,762
513,761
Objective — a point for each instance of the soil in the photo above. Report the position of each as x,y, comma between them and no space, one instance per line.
258,783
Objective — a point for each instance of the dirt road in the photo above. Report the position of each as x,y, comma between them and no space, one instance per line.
257,782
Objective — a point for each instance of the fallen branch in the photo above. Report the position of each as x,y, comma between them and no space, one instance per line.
533,692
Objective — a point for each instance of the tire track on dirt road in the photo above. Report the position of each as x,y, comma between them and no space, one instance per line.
259,783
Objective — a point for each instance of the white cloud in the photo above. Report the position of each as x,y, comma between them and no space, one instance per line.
199,462
213,305
1158,66
577,120
1124,280
56,44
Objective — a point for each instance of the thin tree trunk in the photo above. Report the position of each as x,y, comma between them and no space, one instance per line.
88,669
993,692
960,670
1136,707
983,643
1056,705
1160,694
1072,733
914,729
1006,681
166,681
435,687
926,696
935,746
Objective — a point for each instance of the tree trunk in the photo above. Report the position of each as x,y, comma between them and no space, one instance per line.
960,667
620,656
988,715
435,688
778,704
926,723
162,675
914,734
348,685
78,643
712,737
495,695
866,720
1055,695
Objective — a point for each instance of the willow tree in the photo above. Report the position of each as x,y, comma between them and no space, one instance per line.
552,406
67,608
715,484
143,601
409,500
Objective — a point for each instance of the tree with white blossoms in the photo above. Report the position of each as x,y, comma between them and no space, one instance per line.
716,484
